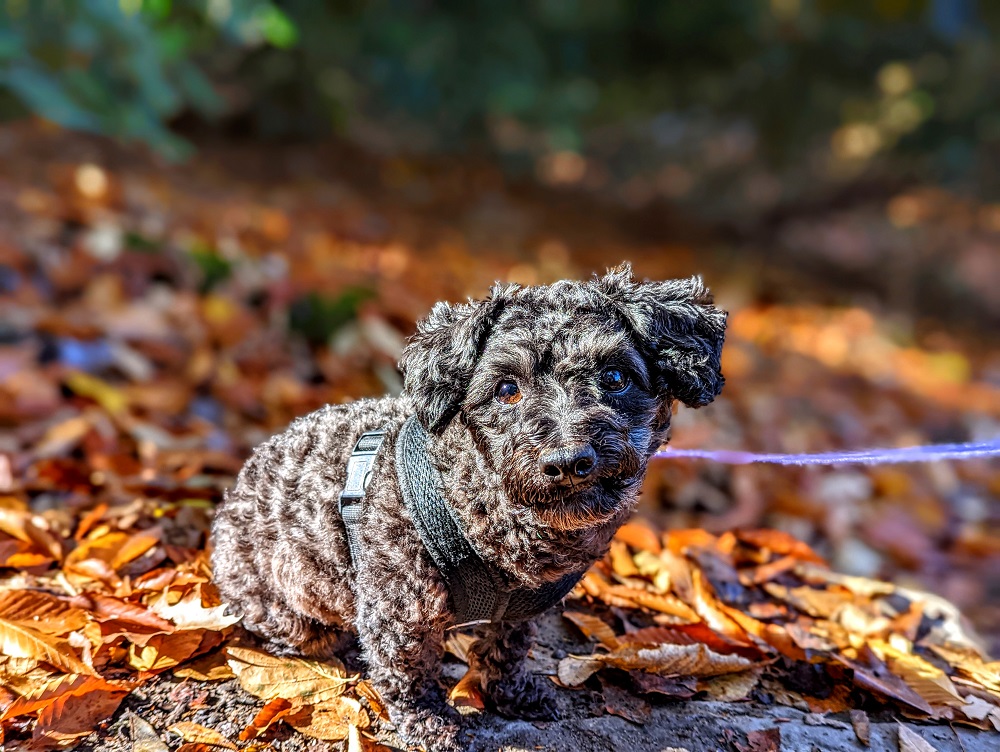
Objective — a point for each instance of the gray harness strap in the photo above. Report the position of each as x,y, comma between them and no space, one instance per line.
476,590
359,474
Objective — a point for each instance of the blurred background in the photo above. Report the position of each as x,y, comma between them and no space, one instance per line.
216,215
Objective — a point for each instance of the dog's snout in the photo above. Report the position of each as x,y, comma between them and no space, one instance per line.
567,464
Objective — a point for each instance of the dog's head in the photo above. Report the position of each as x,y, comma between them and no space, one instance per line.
567,388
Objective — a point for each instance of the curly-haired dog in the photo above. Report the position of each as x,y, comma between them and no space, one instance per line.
542,406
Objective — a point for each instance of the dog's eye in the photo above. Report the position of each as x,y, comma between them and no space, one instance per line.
614,381
508,393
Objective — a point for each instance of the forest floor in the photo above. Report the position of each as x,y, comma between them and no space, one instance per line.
157,322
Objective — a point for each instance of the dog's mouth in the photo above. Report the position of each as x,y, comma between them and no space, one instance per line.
583,505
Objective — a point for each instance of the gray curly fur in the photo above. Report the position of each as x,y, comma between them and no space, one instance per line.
281,554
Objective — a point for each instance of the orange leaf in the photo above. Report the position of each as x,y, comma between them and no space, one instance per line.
196,733
468,692
124,614
678,541
639,535
621,560
20,641
593,628
41,611
74,715
135,546
781,543
89,520
271,713
163,651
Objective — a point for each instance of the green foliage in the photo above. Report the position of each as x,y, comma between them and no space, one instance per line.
126,67
525,77
317,317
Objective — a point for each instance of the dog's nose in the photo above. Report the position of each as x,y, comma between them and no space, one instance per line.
568,463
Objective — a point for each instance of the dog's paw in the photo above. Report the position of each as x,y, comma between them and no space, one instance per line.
531,699
432,730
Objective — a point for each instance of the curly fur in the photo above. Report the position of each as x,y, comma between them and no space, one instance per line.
281,554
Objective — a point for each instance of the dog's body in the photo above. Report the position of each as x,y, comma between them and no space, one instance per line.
543,406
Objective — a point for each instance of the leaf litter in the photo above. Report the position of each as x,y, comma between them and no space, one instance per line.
135,387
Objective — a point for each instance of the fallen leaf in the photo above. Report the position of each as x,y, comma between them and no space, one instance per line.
122,615
640,536
730,687
763,740
459,644
911,741
593,628
73,715
41,612
189,613
210,667
163,651
271,713
330,720
198,734
780,543
467,693
621,559
862,726
295,679
20,641
624,704
665,660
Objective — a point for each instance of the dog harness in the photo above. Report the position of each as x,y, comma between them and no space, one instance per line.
477,591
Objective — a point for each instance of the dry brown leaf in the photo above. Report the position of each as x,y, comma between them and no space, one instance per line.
30,529
780,543
911,741
121,615
593,628
924,678
41,612
763,740
135,546
624,704
467,693
267,716
163,651
459,644
189,613
330,720
862,726
103,548
665,660
730,687
210,667
295,679
816,602
367,691
196,733
75,714
640,536
621,560
20,641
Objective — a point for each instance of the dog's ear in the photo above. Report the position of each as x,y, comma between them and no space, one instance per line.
677,329
438,362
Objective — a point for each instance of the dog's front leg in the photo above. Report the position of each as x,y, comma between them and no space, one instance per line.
402,642
500,654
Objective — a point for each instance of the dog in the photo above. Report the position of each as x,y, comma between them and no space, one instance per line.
539,408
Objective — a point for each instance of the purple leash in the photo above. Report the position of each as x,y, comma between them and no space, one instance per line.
932,453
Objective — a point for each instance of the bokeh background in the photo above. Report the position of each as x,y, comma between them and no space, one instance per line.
216,215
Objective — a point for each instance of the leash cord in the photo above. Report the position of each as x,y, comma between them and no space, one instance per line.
926,453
